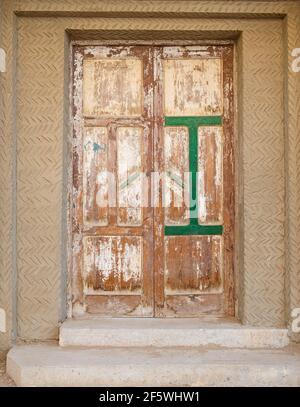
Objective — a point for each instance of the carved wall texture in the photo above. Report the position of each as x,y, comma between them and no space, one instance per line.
268,151
7,131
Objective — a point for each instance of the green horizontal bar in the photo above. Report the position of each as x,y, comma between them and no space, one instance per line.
193,230
193,121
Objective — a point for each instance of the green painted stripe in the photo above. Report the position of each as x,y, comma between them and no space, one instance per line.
176,179
193,122
193,167
193,230
129,180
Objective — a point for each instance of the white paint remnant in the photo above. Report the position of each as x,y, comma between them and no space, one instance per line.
112,258
206,196
2,320
192,87
2,60
129,148
296,62
176,177
78,309
119,94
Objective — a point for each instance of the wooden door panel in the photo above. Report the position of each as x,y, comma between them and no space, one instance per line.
192,86
193,264
112,228
210,175
129,175
112,265
112,87
176,193
196,275
193,275
139,109
95,187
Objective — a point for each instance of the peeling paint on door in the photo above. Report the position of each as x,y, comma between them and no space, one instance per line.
139,109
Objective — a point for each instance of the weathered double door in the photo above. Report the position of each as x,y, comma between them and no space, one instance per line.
153,188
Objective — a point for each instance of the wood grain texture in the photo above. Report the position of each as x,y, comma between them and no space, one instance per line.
210,175
95,183
113,258
193,305
193,87
176,179
112,264
193,264
112,87
129,176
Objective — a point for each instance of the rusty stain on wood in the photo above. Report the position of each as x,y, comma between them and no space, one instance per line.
176,154
180,291
210,177
112,87
193,264
95,187
129,175
193,305
112,96
192,87
112,264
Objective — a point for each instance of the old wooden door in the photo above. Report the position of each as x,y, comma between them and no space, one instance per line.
153,191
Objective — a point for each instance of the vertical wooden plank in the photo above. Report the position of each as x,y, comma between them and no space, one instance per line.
118,94
95,188
129,175
78,306
197,266
210,175
112,171
159,251
147,162
228,181
176,178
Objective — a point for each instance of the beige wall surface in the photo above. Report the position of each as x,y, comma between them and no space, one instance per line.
35,146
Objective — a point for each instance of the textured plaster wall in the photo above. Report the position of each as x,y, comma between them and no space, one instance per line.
35,142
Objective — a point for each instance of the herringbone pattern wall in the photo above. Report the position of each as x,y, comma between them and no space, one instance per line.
293,170
40,158
269,188
263,146
7,39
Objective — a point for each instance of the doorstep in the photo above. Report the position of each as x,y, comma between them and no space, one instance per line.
172,332
52,365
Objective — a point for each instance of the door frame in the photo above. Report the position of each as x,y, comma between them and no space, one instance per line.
230,287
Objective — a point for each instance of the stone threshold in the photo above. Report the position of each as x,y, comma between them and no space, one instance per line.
168,332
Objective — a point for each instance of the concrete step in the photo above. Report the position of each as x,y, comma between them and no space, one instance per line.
51,365
144,332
